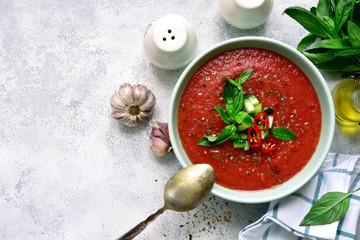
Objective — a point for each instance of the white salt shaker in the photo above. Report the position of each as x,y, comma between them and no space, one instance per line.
245,14
170,42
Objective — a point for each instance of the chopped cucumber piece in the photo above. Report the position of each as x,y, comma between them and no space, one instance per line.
268,110
271,121
265,134
257,108
254,101
235,137
247,146
249,107
242,127
239,143
243,135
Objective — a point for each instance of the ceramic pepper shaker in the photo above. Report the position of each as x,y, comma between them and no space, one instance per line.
170,42
245,14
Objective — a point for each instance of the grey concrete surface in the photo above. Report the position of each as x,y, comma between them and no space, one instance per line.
70,171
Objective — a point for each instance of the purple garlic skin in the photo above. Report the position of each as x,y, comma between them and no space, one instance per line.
132,104
159,139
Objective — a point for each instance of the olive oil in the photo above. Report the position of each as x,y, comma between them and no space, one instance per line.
346,96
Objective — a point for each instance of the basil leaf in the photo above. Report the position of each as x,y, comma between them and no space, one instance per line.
283,133
225,134
223,115
356,14
313,10
306,42
231,81
340,64
336,43
244,118
308,20
320,57
245,76
342,12
234,99
330,208
324,9
329,23
348,52
354,34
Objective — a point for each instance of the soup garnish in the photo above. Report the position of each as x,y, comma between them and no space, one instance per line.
249,126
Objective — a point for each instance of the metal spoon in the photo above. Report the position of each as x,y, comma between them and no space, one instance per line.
184,191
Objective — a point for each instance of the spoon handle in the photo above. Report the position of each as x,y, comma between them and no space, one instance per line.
141,226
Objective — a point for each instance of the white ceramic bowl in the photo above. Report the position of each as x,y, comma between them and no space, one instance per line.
327,111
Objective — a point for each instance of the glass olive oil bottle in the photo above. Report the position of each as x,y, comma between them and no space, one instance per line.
346,96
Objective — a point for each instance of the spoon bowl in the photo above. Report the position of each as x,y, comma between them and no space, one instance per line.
189,187
184,191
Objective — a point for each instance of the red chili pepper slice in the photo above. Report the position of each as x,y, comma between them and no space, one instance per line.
269,144
254,137
261,121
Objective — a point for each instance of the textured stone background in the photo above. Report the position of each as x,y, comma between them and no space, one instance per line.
67,169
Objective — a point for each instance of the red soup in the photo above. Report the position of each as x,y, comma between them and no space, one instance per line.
277,83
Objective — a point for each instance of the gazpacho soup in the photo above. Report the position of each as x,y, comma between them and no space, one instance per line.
253,115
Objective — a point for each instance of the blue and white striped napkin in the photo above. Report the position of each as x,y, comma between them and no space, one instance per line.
339,173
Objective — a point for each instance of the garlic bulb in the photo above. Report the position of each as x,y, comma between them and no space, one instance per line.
159,139
132,104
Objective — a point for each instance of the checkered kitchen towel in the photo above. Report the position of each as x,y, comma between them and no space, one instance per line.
281,222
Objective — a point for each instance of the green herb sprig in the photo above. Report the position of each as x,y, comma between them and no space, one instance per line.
334,28
330,208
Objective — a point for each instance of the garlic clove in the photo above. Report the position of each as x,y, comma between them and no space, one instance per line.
149,102
139,93
164,129
158,147
131,121
119,115
117,103
125,93
159,139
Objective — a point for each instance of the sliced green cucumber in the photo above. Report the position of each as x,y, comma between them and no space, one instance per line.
257,108
271,121
247,146
268,110
249,107
254,101
239,143
265,134
243,135
235,137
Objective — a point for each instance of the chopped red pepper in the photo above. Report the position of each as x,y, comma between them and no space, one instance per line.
261,121
269,144
254,137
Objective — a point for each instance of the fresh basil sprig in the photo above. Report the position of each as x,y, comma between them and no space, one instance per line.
234,102
334,27
244,76
330,208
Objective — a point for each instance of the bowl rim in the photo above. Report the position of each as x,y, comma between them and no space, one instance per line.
327,109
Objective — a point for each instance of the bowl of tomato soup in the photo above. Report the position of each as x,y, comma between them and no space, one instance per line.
293,96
